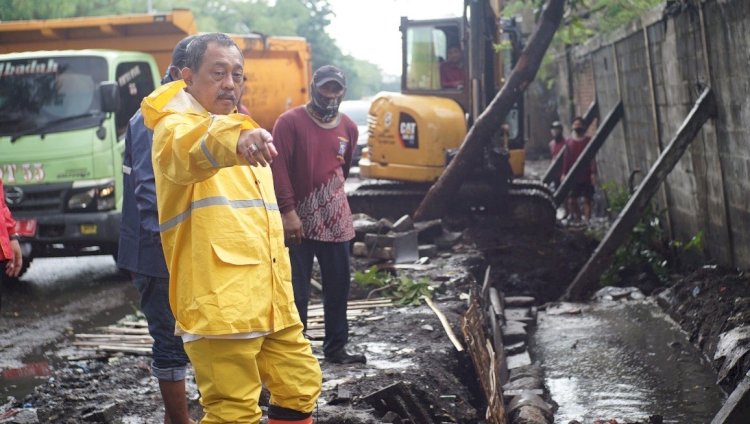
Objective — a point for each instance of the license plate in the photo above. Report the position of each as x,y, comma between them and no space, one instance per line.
26,227
88,229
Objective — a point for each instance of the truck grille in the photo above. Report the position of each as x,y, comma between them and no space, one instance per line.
34,199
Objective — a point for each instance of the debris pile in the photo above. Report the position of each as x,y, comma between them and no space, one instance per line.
403,241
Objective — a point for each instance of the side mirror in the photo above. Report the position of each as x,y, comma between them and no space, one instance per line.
109,94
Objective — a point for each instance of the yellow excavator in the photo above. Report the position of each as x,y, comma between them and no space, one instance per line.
451,69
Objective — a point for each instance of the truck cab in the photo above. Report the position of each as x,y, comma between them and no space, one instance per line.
63,116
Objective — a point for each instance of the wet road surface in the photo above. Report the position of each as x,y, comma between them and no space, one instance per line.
624,361
56,298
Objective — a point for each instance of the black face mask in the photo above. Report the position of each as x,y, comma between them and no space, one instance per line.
324,108
580,131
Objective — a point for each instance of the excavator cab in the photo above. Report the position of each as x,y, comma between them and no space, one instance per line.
451,69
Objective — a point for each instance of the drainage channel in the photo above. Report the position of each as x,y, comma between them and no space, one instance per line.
622,360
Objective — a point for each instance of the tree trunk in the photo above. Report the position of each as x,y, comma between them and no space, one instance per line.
493,117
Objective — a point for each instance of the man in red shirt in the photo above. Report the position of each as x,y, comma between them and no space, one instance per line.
452,73
315,144
583,187
10,249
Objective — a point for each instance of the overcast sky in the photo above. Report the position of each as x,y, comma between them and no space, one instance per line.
368,29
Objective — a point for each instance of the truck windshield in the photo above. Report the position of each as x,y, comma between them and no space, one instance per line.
45,93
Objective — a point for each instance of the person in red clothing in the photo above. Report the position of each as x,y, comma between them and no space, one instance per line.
452,73
583,187
315,144
555,147
10,249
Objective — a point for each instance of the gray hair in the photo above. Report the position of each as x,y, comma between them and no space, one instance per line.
197,47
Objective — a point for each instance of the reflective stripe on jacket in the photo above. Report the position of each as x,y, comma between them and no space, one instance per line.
220,225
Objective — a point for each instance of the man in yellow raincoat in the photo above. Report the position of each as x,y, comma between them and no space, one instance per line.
223,240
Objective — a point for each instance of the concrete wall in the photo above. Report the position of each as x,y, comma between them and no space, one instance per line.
658,66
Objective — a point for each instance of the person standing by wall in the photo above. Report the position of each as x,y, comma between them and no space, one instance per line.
583,186
140,252
10,249
315,144
229,274
556,145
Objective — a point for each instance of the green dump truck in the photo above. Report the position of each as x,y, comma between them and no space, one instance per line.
62,119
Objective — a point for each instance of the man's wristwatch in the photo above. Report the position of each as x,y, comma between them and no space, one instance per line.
15,236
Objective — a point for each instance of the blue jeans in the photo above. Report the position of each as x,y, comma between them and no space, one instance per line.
169,358
333,258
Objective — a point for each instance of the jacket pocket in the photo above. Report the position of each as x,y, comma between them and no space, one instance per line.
237,251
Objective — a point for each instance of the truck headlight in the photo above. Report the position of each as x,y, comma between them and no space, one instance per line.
82,200
106,198
100,198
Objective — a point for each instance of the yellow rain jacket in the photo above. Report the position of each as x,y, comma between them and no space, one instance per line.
220,225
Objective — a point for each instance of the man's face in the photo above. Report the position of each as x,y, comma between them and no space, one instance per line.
454,55
218,82
578,128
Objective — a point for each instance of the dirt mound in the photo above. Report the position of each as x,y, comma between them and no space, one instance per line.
708,303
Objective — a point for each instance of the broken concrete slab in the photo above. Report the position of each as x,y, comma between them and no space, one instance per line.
448,239
519,301
517,392
533,370
403,246
340,396
515,348
520,315
20,416
732,347
427,231
427,250
526,399
519,360
618,293
514,332
404,224
527,382
564,308
529,415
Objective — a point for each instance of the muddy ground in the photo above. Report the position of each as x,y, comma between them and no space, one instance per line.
407,344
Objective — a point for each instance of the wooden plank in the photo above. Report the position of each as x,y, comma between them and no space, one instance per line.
116,336
601,259
736,409
123,330
556,164
588,154
484,359
446,326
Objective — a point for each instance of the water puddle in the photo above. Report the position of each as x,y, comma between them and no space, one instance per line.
386,356
624,361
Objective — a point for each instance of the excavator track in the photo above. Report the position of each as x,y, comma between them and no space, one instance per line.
527,204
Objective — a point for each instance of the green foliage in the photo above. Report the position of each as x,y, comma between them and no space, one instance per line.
644,250
403,289
647,249
583,19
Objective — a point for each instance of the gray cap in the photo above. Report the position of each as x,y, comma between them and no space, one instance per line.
327,73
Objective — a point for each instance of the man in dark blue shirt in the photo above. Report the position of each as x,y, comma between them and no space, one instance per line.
140,252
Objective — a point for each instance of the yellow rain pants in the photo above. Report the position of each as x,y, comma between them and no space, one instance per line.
229,373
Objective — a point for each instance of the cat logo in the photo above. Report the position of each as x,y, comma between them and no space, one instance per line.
407,129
